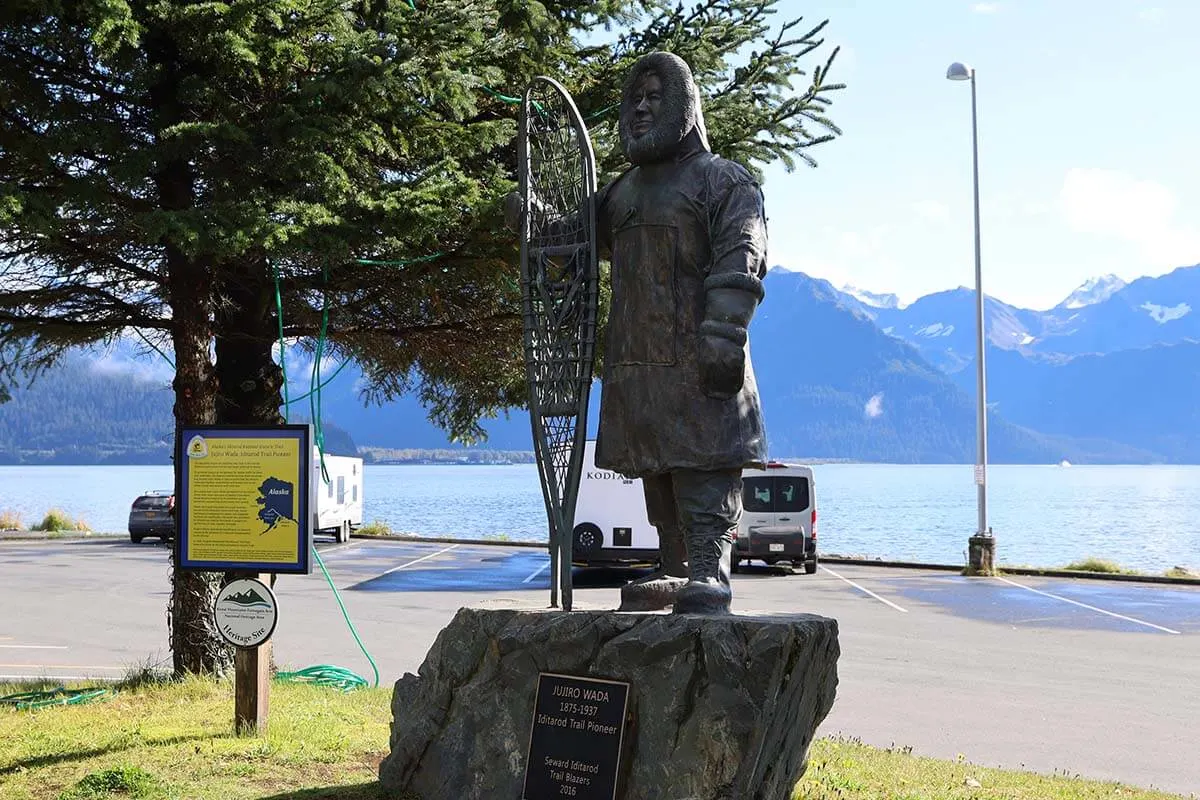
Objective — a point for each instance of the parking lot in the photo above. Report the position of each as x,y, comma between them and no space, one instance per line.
1094,678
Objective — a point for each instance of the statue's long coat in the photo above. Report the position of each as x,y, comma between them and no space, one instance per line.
666,227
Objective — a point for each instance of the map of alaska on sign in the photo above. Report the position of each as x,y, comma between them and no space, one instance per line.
276,499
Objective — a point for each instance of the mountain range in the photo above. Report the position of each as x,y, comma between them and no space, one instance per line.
1108,375
248,598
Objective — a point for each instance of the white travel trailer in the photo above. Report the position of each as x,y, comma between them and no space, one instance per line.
339,503
779,517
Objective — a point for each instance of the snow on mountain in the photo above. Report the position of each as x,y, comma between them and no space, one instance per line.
1161,314
872,299
936,329
1093,291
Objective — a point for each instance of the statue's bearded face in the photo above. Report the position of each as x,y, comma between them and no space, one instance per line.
652,119
647,101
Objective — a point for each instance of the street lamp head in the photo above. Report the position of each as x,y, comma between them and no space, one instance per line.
959,71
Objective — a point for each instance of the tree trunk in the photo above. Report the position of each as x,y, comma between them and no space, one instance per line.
196,645
247,328
248,378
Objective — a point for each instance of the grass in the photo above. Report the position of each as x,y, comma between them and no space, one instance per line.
171,740
374,528
1093,564
10,521
57,520
846,769
126,780
1102,566
168,740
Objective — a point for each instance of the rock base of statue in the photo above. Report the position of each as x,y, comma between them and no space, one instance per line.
715,707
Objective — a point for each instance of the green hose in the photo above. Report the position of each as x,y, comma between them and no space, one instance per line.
61,696
327,674
321,674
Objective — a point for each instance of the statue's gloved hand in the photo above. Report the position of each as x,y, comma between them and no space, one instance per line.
722,365
729,303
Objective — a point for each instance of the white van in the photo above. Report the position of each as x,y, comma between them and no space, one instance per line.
339,505
779,517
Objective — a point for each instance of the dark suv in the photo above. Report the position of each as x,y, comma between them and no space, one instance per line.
152,514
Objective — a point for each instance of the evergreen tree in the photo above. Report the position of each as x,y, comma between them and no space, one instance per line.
180,168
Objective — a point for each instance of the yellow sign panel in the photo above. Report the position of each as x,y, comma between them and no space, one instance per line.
245,501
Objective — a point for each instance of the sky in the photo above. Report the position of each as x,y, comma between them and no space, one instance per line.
1087,139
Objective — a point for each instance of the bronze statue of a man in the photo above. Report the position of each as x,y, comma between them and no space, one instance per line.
685,233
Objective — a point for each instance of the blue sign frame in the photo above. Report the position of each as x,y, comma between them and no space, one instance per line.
224,554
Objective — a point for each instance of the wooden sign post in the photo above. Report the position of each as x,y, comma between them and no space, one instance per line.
252,688
246,614
244,500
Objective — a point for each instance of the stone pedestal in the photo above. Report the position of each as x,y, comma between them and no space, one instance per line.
981,554
718,707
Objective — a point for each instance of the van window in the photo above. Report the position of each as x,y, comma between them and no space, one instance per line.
341,481
791,493
756,495
354,493
330,485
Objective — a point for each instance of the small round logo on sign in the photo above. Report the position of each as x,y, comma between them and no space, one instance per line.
246,612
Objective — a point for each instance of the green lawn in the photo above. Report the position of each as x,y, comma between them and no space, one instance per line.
175,741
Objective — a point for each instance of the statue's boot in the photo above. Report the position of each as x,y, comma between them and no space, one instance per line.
707,591
657,590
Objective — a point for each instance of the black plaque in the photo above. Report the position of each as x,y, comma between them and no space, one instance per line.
575,744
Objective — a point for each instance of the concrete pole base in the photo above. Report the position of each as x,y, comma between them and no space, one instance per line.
981,554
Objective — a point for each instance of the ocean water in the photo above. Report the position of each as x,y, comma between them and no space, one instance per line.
1145,517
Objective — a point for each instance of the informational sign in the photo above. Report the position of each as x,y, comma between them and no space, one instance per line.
245,498
575,744
980,476
246,612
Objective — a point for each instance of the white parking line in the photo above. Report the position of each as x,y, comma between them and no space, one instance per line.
538,571
1085,605
337,548
32,678
61,666
865,590
417,561
33,647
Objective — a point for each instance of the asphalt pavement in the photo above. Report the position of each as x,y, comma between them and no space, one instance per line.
1048,674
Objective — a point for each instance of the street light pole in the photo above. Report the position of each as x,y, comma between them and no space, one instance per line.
982,546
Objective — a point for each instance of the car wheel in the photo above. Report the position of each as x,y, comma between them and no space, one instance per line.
136,539
810,566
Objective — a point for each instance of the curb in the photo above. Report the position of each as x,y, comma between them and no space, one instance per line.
1003,570
871,562
33,536
403,537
